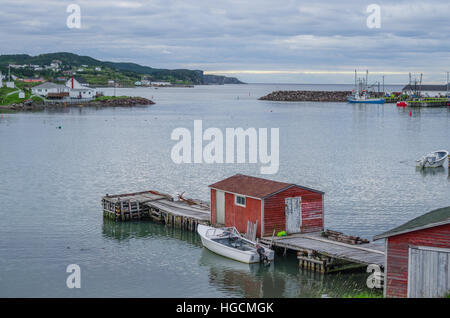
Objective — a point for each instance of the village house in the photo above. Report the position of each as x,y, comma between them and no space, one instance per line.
49,88
418,256
80,90
274,206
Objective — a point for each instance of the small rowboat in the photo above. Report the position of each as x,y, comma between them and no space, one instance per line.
433,159
402,104
228,242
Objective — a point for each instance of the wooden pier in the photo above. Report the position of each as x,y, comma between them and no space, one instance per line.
156,206
320,254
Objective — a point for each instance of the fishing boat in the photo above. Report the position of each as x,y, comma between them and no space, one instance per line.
228,242
433,159
361,95
364,99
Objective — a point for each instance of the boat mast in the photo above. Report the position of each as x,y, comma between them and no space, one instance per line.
447,84
367,80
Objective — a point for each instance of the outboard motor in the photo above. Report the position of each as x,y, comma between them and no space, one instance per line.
262,255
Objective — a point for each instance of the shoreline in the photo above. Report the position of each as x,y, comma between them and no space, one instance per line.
105,101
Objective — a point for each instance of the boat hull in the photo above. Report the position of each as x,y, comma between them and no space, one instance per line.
366,101
229,252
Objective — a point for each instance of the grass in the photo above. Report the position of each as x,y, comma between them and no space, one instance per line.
364,294
111,97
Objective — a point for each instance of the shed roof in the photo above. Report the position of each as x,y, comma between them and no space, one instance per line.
50,85
434,218
253,186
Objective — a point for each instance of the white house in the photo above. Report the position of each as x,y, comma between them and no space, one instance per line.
78,90
161,84
48,87
82,93
98,68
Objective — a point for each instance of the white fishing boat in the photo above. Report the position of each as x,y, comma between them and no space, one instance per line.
228,242
433,159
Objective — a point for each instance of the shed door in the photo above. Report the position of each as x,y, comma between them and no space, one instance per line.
220,207
293,211
428,272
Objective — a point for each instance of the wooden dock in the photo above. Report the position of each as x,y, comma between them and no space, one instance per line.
320,254
156,206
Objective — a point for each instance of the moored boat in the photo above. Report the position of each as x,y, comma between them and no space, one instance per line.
229,243
433,159
363,99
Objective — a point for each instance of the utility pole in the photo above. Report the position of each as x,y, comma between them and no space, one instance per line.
114,84
384,92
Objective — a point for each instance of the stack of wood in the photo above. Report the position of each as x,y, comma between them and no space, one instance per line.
190,201
341,237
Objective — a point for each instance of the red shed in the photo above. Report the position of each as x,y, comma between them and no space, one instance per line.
274,205
418,256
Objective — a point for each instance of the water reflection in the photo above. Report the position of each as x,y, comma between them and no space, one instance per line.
431,171
281,279
122,231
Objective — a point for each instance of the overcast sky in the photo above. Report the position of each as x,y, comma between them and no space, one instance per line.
257,41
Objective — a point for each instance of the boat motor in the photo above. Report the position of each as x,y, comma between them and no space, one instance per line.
262,254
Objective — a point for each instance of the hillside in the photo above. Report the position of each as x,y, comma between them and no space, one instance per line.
127,72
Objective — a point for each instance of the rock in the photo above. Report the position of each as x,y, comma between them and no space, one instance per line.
309,96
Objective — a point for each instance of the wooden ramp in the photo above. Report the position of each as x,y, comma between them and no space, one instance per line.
320,254
186,213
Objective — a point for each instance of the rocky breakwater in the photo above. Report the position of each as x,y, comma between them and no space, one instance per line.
307,96
120,102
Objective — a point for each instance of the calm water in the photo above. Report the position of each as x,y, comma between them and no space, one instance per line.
52,180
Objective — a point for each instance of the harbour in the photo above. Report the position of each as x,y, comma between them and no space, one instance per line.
378,186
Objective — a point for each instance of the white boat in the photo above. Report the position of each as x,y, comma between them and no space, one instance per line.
228,242
433,159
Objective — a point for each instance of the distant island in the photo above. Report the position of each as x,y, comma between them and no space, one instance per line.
58,67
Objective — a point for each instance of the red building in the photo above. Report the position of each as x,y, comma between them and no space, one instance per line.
274,205
418,256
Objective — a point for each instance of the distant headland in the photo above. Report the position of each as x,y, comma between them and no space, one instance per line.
60,66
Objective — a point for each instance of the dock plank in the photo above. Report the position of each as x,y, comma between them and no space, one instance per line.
181,209
367,254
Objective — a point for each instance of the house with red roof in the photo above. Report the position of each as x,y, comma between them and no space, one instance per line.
274,206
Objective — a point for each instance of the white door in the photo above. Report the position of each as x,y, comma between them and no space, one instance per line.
220,207
428,272
293,211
